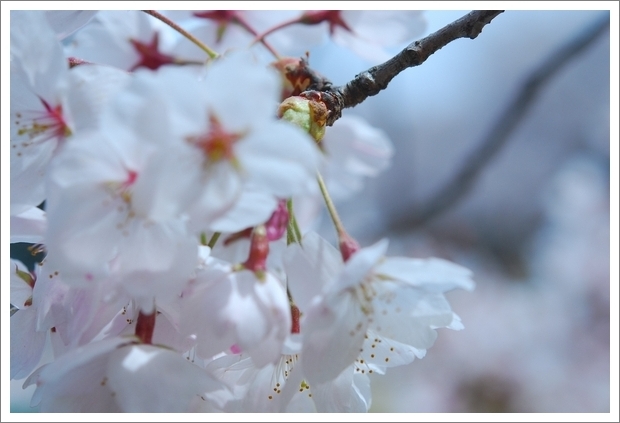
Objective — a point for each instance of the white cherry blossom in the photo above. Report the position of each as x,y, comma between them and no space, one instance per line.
369,302
119,374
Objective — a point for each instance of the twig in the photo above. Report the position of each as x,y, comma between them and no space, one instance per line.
464,179
377,78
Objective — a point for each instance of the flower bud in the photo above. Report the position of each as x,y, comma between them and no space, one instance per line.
309,115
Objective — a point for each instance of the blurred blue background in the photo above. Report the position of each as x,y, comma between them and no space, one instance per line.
534,229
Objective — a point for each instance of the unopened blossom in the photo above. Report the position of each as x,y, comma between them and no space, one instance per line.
378,310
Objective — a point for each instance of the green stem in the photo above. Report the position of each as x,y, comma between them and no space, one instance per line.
293,234
213,240
212,54
203,238
330,206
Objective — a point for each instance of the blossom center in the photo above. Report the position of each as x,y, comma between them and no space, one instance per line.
43,125
150,56
217,144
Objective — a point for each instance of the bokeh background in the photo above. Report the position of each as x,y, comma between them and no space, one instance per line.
534,228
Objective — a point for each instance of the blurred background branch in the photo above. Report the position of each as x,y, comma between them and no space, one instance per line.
462,182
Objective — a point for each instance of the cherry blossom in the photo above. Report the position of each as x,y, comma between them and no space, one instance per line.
241,307
369,302
281,386
49,103
170,203
119,374
126,39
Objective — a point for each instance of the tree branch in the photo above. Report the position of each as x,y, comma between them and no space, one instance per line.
464,179
377,78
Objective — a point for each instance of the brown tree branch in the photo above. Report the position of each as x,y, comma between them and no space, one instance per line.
460,184
377,78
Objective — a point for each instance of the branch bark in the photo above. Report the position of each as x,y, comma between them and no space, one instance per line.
377,78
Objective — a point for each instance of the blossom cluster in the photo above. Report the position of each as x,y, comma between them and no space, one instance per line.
173,190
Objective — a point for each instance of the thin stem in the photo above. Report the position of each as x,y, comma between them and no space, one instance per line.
293,234
214,239
244,24
330,205
203,238
212,54
261,38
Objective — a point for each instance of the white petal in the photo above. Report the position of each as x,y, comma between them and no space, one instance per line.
253,207
311,267
360,265
150,379
432,274
26,343
66,22
333,335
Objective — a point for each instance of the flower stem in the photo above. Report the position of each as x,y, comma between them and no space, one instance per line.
240,20
330,205
347,244
214,239
293,233
145,326
212,54
261,37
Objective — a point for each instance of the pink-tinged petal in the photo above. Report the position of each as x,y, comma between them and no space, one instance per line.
310,268
360,265
26,343
433,274
151,379
333,333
